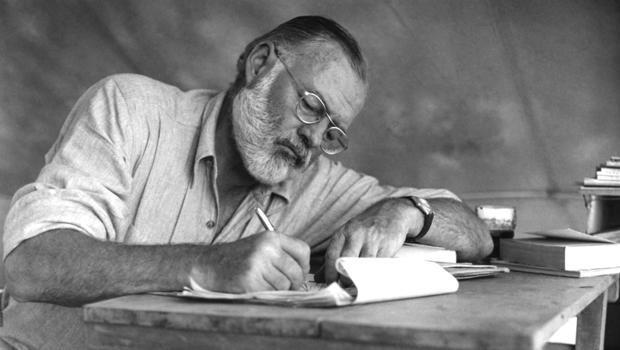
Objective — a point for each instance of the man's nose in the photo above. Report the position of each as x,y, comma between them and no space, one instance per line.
312,135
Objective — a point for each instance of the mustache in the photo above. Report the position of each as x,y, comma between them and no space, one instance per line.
301,152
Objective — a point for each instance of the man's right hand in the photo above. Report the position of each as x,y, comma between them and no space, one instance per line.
264,261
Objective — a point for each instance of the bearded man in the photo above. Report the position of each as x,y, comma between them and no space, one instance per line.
148,186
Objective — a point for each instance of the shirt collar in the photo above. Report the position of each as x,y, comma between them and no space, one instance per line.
206,139
283,189
206,150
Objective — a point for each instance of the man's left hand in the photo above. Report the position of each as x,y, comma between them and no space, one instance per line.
377,232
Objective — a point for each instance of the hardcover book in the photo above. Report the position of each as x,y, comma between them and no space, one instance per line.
564,249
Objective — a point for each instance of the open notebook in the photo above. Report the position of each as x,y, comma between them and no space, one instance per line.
374,280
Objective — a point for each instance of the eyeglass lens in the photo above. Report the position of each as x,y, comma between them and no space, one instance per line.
334,141
311,110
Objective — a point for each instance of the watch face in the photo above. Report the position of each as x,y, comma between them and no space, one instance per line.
424,206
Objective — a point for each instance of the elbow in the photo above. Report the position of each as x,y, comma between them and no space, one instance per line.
21,280
477,249
483,243
486,246
20,292
480,242
473,255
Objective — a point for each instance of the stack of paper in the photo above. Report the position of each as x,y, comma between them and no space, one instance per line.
446,258
374,280
606,181
426,252
416,270
465,271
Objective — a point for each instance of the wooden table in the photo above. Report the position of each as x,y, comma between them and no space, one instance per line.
512,311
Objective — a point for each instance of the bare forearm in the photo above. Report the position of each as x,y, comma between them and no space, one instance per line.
382,228
67,267
456,227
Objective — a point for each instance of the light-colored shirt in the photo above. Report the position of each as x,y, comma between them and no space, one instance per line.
135,163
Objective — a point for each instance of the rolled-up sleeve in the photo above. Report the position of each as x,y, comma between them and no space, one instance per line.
86,178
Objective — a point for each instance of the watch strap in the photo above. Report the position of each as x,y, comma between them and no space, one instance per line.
427,211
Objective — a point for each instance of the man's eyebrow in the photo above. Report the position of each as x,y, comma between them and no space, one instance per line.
332,115
335,115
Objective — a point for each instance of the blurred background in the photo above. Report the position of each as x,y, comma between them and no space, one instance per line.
503,102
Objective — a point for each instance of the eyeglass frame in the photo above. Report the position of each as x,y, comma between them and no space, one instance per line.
299,87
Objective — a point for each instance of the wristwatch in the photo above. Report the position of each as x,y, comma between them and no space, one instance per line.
427,211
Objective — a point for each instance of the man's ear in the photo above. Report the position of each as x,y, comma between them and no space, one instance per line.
260,59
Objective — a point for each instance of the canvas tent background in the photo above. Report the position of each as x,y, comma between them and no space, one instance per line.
503,102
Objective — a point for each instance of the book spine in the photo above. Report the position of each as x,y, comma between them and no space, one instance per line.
588,181
606,177
512,250
600,191
608,171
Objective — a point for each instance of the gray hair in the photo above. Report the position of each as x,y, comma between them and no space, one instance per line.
306,29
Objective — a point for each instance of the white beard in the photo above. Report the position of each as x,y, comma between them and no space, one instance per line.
256,128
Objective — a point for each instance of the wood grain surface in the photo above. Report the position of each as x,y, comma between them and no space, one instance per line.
513,311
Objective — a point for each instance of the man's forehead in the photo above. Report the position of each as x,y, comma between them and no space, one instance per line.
319,52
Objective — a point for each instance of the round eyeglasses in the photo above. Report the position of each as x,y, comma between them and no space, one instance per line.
311,109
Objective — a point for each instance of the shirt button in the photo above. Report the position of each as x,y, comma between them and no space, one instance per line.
210,224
